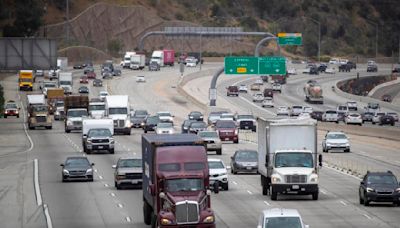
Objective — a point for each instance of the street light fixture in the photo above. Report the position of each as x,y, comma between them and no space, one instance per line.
376,36
319,35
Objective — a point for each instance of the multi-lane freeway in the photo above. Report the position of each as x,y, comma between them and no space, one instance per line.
99,204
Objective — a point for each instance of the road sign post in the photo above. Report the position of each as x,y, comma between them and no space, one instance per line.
241,65
289,38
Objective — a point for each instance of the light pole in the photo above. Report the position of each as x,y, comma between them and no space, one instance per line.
319,35
376,37
67,16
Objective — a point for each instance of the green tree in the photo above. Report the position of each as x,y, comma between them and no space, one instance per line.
114,46
28,19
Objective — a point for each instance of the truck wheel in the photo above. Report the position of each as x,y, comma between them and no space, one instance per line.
154,221
147,213
31,128
361,200
111,151
67,131
128,132
225,186
315,196
88,151
49,127
274,194
236,141
347,150
84,149
366,202
117,186
145,131
219,152
17,116
5,116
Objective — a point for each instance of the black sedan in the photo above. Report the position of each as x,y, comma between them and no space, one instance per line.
83,89
317,115
387,120
196,115
97,83
379,187
245,161
138,118
197,126
185,126
151,123
77,168
77,66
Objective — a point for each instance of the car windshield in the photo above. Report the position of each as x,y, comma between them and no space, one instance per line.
99,132
130,163
215,165
342,108
195,114
373,106
83,88
140,113
331,112
184,184
76,113
293,160
103,94
355,115
11,105
392,113
225,124
25,80
246,156
208,134
152,120
277,222
97,107
113,111
382,179
297,107
77,162
164,125
59,104
198,125
49,85
245,117
336,136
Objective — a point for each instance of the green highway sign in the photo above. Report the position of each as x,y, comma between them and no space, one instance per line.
289,38
241,65
272,65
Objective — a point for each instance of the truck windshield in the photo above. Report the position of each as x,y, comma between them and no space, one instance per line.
76,113
97,107
48,85
40,108
113,111
99,133
25,79
292,222
186,184
293,160
65,82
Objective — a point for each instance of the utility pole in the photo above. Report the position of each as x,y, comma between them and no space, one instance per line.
67,17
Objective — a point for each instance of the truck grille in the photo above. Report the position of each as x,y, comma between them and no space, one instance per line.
77,123
296,179
187,212
41,119
119,123
133,175
100,140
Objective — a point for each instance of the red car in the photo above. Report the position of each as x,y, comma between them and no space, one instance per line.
91,75
11,109
227,130
84,80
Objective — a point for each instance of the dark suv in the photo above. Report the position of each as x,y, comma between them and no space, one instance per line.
386,120
150,123
232,91
379,187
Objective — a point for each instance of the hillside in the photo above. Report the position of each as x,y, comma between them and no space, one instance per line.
348,27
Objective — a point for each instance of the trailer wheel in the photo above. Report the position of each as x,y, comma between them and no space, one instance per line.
147,213
154,221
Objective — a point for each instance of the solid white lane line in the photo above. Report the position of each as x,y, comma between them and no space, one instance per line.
26,128
342,202
248,191
367,216
39,200
120,205
48,218
265,202
128,219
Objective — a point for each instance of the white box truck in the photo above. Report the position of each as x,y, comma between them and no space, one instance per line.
97,135
127,59
117,108
287,157
138,62
62,63
65,82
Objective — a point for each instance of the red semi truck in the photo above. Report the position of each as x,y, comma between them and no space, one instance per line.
163,57
176,181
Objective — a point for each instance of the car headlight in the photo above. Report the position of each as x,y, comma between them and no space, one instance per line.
89,171
65,171
314,178
209,219
69,122
398,190
112,141
142,124
275,180
370,190
57,113
165,221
